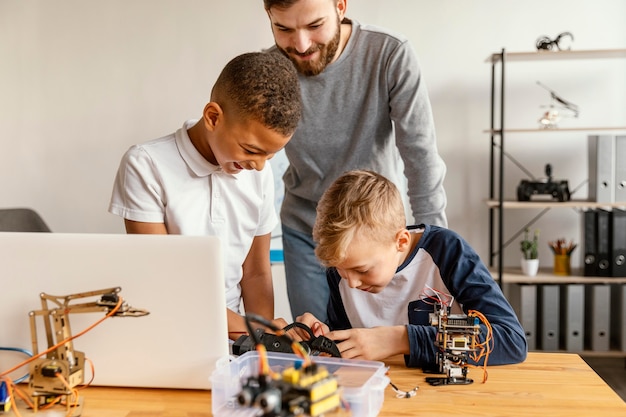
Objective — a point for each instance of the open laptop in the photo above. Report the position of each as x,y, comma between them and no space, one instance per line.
178,279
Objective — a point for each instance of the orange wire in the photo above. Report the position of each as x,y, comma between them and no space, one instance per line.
73,393
13,388
10,389
62,342
93,374
486,347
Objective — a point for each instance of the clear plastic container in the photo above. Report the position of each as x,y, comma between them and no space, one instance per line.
362,383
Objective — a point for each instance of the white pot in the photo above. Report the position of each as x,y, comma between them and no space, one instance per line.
530,267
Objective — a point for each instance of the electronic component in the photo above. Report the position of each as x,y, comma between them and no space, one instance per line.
315,345
309,390
457,338
5,399
303,389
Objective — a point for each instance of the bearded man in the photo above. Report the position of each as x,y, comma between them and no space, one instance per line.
365,106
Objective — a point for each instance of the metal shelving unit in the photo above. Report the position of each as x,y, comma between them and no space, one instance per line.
513,277
498,133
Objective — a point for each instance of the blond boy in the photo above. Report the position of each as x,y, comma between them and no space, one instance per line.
384,277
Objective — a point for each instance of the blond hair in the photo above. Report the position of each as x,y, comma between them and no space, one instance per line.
361,202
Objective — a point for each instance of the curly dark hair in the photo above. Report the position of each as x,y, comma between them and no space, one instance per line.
262,86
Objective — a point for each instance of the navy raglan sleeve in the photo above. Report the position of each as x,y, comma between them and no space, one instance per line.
470,282
337,317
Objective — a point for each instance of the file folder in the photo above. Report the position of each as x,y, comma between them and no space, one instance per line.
618,243
523,299
549,317
601,154
598,317
573,317
620,169
590,247
603,235
618,320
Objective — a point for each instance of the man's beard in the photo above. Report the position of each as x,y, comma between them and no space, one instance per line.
327,54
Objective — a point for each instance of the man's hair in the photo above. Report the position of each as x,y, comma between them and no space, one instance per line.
359,201
280,4
261,86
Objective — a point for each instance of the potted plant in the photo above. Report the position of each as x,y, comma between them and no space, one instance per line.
530,258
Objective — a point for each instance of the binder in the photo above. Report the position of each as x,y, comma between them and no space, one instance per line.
598,317
618,320
523,299
618,243
590,247
603,243
601,153
620,169
549,317
573,317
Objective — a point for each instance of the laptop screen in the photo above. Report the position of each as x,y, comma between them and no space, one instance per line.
178,279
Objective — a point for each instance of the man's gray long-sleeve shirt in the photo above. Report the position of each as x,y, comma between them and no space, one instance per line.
365,111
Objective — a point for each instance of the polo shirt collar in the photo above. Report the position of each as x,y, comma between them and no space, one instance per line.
196,162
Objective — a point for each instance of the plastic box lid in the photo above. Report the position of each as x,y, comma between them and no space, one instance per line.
362,383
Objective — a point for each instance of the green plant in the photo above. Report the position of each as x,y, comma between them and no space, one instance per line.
529,246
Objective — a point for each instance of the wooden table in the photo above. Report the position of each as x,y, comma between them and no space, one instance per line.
546,384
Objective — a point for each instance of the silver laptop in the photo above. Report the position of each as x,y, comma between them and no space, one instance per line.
178,279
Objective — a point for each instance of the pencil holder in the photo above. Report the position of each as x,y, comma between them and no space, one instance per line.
562,265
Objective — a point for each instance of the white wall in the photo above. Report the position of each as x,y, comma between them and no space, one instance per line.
82,80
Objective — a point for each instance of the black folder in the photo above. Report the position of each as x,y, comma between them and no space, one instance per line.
618,243
590,245
603,236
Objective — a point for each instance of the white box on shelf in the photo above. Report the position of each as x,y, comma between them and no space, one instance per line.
362,383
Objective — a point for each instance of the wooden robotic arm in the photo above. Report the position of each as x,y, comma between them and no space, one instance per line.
62,368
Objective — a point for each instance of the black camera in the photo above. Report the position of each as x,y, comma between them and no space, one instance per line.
559,190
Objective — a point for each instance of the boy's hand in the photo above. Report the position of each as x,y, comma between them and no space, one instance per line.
373,344
317,327
279,322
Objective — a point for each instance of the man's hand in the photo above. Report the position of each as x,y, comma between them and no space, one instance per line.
373,344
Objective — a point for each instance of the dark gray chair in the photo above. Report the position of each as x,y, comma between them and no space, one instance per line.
22,220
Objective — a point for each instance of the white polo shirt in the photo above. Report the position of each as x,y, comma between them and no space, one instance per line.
167,180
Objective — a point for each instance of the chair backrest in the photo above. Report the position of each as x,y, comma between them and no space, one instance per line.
22,220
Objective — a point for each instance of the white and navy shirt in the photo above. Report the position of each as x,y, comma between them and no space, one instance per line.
442,262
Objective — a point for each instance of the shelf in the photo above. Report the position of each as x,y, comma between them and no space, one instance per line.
512,204
545,276
557,55
526,291
590,130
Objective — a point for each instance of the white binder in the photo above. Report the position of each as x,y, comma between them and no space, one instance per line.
598,316
549,317
523,299
573,317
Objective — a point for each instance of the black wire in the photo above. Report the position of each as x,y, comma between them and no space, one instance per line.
279,332
302,326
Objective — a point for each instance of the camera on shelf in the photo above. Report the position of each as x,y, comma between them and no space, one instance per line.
559,190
